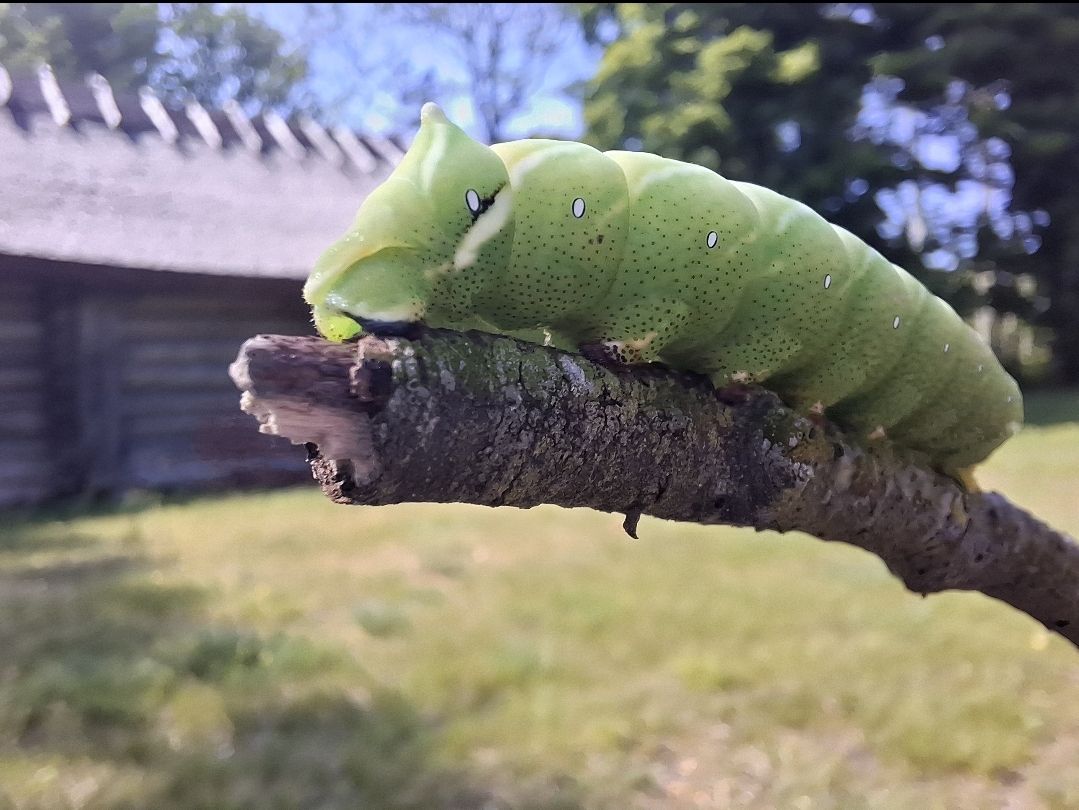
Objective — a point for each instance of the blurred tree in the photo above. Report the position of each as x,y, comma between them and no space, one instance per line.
116,40
216,52
761,92
798,97
202,51
1022,56
495,55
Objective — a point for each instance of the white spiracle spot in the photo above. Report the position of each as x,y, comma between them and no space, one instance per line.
578,207
472,200
981,368
946,347
712,240
828,281
895,323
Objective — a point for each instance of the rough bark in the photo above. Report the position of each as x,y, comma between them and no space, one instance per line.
483,419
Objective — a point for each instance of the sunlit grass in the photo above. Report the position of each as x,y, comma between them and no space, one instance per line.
279,651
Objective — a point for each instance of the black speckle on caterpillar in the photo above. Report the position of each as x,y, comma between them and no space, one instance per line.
643,259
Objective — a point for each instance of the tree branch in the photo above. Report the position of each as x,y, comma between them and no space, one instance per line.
484,419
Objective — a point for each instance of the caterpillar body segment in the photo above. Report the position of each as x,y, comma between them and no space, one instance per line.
658,260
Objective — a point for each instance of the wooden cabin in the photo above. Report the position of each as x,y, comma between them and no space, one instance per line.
139,246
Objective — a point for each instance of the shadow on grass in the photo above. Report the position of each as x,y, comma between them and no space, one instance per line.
134,502
112,677
17,541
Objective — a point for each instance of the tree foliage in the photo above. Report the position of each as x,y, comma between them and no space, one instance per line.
185,51
758,92
958,120
1027,52
215,53
117,40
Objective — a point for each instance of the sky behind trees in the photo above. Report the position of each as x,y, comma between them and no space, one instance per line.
373,65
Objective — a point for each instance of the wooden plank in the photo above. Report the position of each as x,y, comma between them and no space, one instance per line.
13,289
20,331
26,471
179,376
24,401
194,350
214,436
175,308
58,308
25,462
21,353
20,377
99,390
241,447
254,305
165,465
223,438
216,442
191,402
117,386
16,298
17,493
23,424
146,426
214,328
16,308
24,449
181,411
137,281
20,305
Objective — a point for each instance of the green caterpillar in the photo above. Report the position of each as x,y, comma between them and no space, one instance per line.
652,259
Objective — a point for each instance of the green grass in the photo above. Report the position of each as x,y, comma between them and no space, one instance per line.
278,651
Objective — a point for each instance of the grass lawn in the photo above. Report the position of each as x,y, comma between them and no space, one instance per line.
278,651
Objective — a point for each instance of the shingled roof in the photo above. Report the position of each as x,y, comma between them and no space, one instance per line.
94,178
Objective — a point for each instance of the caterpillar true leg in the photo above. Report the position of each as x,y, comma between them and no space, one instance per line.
637,331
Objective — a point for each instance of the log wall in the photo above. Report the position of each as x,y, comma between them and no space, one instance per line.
25,466
120,382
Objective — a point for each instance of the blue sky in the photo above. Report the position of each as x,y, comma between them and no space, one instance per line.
383,42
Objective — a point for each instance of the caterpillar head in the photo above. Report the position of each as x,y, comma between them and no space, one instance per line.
423,243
